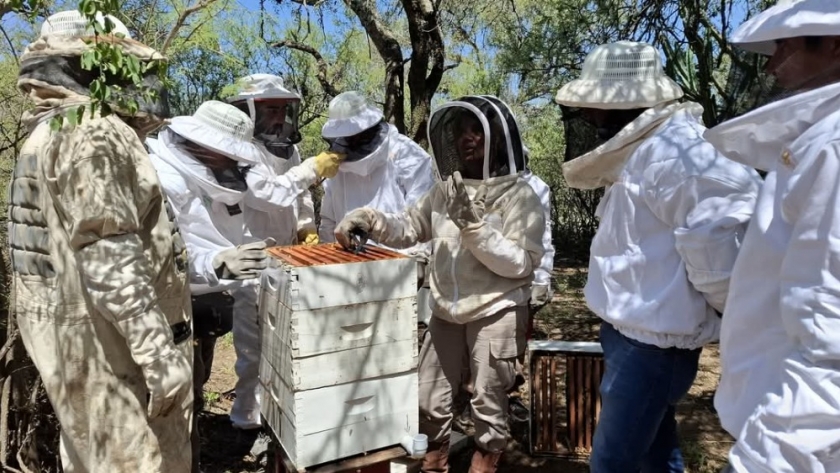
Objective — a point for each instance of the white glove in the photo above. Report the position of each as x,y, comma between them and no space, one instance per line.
540,295
242,262
361,223
460,208
169,380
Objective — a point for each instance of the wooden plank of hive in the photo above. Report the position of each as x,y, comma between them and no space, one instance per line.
552,381
592,397
571,401
536,404
548,404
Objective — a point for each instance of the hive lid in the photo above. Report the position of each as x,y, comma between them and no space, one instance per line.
329,253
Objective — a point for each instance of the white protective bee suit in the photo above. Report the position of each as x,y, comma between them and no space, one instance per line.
99,269
390,174
672,219
780,338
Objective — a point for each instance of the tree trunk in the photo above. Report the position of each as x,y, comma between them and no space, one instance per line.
427,63
389,49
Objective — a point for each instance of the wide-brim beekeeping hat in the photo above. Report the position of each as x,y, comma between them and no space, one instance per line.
620,76
349,115
788,19
222,128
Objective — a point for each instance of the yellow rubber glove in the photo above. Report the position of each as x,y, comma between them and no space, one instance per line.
326,164
308,236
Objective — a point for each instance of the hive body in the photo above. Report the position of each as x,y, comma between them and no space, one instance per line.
339,352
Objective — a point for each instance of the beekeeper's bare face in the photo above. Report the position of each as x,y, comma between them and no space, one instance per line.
805,63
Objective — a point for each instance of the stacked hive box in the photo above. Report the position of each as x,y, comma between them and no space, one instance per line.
339,351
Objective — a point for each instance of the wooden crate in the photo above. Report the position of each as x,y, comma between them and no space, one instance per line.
565,396
339,352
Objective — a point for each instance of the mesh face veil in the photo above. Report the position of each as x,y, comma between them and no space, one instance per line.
477,136
273,108
275,123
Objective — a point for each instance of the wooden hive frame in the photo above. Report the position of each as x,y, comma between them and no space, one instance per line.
581,375
329,253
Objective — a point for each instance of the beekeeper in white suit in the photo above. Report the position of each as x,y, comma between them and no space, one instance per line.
99,270
204,161
780,339
671,222
382,169
278,186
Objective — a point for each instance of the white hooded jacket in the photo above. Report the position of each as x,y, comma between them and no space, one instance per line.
670,228
199,205
780,341
391,179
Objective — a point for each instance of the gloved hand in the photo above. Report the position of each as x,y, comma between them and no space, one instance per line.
307,236
358,222
243,261
460,208
169,379
540,295
326,164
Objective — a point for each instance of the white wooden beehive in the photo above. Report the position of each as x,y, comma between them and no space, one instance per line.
339,352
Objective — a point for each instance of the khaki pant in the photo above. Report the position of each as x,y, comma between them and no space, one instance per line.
203,352
489,348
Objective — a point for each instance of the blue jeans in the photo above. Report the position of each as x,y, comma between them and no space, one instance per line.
637,429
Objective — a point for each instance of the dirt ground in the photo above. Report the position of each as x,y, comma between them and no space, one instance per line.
704,443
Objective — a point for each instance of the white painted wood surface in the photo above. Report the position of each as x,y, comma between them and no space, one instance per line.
329,407
332,329
316,287
326,424
346,366
339,357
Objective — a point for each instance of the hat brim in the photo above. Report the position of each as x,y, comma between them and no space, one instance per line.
257,96
335,128
193,130
796,19
618,95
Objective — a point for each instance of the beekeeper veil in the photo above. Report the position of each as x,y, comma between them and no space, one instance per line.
354,128
274,109
51,72
476,135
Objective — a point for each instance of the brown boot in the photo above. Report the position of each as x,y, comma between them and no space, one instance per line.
484,462
437,458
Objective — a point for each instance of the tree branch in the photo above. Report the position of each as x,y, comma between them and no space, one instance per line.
182,18
323,67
